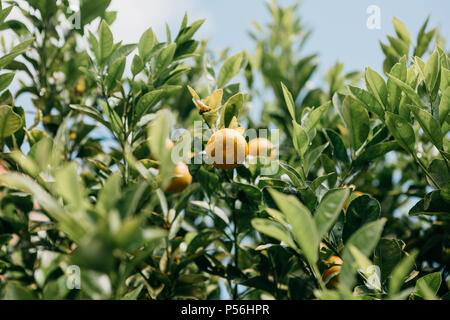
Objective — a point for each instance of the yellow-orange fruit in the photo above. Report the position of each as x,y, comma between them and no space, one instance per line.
260,147
330,276
182,179
80,85
334,260
227,149
323,246
169,144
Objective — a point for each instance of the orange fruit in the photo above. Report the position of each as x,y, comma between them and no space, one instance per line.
227,149
169,144
260,147
330,276
182,179
80,85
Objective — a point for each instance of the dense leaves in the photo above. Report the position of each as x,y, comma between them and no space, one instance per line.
110,185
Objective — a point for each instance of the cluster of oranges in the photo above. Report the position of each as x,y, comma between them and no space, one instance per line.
234,151
332,268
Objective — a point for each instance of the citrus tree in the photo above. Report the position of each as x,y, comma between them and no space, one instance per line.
143,174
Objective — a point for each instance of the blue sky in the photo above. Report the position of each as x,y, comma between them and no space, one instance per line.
339,27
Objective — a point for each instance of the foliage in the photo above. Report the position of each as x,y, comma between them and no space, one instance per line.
86,184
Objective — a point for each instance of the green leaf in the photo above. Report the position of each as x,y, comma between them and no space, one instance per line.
69,186
312,155
110,17
289,101
115,72
401,31
165,58
432,204
439,171
74,227
300,139
444,106
401,272
407,90
399,70
431,71
365,240
6,79
137,65
329,209
423,39
402,131
431,127
398,45
95,47
361,211
293,174
428,286
368,101
89,10
229,69
147,101
231,109
120,51
212,208
109,194
188,32
90,111
134,294
4,13
106,42
273,229
114,121
15,291
445,77
146,44
339,149
315,116
302,223
388,254
374,151
158,132
17,50
376,85
10,121
357,120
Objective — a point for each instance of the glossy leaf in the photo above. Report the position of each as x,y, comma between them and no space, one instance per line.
364,239
273,229
10,121
377,86
229,69
357,121
329,209
429,125
402,131
302,223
